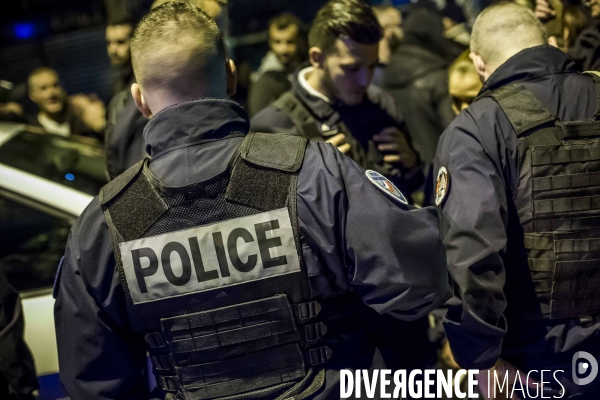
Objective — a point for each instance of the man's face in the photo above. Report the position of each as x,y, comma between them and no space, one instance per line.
118,39
391,22
47,93
284,43
463,88
348,69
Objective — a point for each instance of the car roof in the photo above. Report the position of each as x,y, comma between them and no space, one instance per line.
36,188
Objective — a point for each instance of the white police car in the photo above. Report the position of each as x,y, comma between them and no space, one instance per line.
46,181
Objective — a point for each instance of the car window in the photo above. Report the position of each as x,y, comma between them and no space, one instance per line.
32,245
74,162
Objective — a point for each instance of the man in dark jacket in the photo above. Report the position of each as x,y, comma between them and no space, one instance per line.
332,100
518,204
417,79
287,50
269,312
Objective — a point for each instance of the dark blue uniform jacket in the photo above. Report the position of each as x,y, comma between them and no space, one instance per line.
353,237
480,227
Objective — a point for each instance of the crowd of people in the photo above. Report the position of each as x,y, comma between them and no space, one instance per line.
471,241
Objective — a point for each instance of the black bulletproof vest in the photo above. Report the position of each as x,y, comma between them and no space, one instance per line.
364,153
258,339
558,203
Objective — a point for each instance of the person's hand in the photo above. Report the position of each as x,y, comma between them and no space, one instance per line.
502,368
544,11
14,108
338,141
393,142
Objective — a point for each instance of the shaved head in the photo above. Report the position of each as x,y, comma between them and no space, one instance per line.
177,52
503,30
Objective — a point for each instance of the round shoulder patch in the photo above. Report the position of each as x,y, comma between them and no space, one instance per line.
386,186
442,185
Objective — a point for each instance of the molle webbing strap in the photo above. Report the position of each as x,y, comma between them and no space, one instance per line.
522,108
550,157
566,181
579,129
565,224
300,116
566,205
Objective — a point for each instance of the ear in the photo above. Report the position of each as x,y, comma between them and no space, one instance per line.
480,66
316,57
140,101
231,71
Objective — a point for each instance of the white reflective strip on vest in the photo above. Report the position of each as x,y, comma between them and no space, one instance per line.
227,253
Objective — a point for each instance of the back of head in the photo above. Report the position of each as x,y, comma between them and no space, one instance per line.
424,28
177,52
503,30
351,19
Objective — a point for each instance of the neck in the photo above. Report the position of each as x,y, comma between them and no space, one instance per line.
316,80
165,99
59,117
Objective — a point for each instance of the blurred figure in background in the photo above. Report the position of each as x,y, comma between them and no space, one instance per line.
60,115
9,110
464,82
390,19
574,23
275,74
118,38
584,47
17,369
417,79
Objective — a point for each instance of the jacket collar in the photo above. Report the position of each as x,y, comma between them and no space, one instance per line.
193,122
529,64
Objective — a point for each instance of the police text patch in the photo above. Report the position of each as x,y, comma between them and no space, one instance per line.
386,186
208,257
442,185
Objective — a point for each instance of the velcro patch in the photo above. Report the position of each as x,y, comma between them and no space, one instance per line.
386,186
203,258
442,185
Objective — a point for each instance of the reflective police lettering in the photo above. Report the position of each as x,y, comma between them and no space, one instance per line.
208,257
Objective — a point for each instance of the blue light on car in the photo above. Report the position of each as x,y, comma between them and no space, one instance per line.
24,30
70,177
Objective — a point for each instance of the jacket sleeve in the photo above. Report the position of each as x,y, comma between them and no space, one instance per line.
473,222
99,357
388,251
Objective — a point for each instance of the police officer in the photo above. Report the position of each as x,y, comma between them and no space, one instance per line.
333,100
517,189
247,265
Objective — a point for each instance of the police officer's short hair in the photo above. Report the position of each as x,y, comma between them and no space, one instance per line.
177,47
504,27
339,19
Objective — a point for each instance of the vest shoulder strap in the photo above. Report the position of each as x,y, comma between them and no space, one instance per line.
297,112
524,111
109,191
279,151
131,204
265,169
